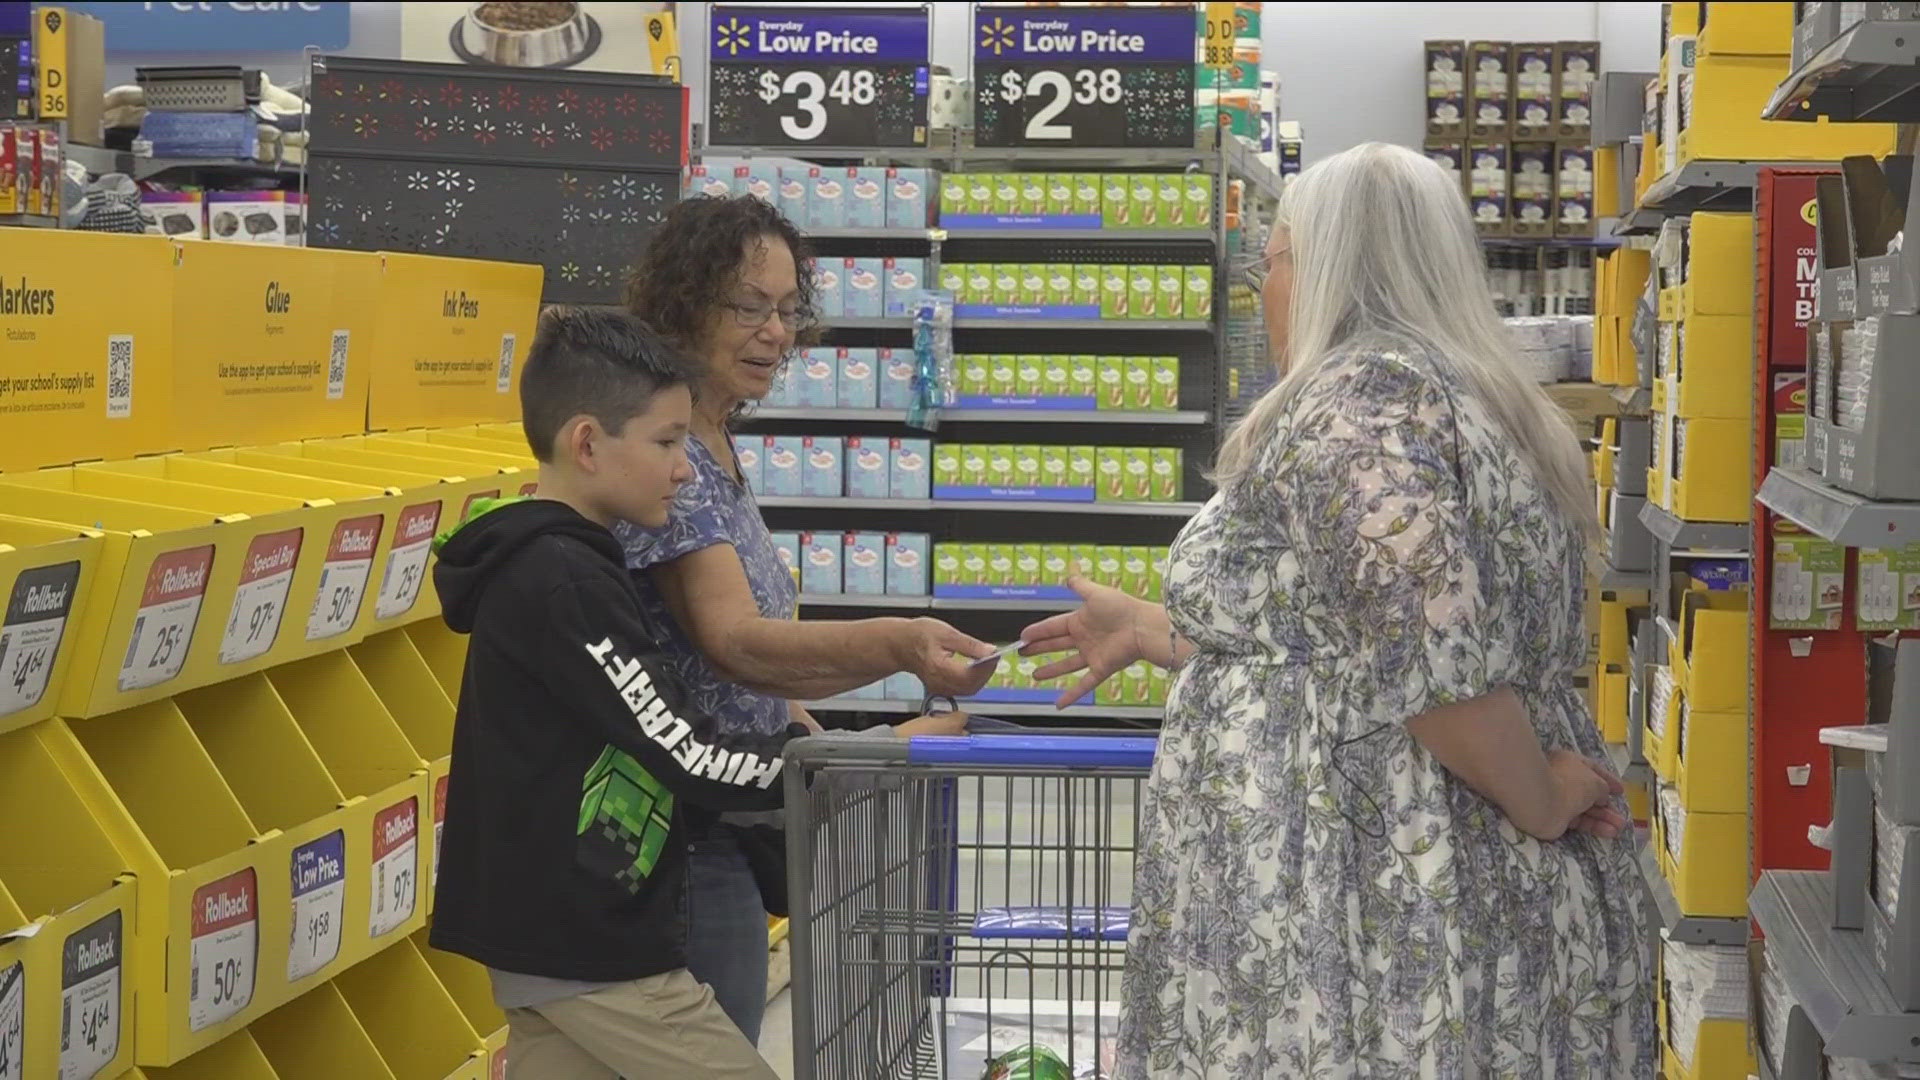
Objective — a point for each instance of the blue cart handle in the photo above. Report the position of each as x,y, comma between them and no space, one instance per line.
1034,751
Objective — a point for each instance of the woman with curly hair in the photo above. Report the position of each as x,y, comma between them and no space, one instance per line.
729,281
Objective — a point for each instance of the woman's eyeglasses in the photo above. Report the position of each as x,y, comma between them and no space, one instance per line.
753,314
1255,270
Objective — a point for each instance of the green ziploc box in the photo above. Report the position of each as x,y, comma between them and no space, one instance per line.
980,283
1083,377
1003,375
973,564
1110,462
973,466
1026,564
999,465
1086,285
1006,284
1157,685
953,194
1169,468
1136,570
975,374
953,279
1086,194
1059,284
1198,189
1137,462
1116,208
1033,285
1110,376
1026,466
1006,194
1083,558
1054,560
1028,373
1107,563
1053,467
1197,298
1136,680
946,565
999,564
1111,692
1157,576
1113,292
1138,376
1166,383
946,465
1059,194
1143,193
1056,376
1143,296
1033,194
1082,467
980,192
1171,191
1171,281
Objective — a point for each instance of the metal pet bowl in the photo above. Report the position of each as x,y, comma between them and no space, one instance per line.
559,45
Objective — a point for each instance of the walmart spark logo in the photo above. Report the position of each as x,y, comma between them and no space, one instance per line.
997,35
732,35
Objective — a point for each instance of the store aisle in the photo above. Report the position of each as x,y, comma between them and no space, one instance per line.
776,1035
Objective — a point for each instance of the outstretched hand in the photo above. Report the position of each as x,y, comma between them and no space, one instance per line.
943,658
1102,635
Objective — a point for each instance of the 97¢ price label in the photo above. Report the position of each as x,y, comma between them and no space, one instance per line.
225,949
396,867
260,600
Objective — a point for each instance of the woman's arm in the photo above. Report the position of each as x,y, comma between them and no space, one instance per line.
1489,743
707,592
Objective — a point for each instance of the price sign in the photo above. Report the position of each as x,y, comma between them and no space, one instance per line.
818,76
343,580
90,1000
406,572
13,1022
261,599
396,867
1059,76
319,905
36,619
225,949
439,825
169,610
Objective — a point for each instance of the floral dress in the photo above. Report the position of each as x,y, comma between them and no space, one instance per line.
1316,897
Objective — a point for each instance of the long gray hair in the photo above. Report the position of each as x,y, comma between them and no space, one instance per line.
1384,251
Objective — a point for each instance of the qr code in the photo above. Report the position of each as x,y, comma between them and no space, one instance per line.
504,382
337,366
119,376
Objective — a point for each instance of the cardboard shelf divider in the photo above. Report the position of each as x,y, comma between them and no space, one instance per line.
418,1028
317,1037
471,988
236,1057
407,687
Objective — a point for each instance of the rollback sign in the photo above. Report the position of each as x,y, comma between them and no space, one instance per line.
818,76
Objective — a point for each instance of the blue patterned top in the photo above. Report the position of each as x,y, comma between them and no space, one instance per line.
714,508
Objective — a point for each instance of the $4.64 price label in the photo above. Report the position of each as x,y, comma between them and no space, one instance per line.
818,76
226,949
36,619
261,598
169,610
13,1021
343,580
406,571
90,999
396,867
1104,76
319,904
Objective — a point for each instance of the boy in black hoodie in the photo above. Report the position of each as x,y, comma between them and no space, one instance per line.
575,764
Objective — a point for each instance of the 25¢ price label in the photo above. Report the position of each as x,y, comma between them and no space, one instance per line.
396,867
35,621
406,570
225,949
169,611
343,580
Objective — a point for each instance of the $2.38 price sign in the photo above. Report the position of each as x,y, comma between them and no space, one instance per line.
818,77
1118,77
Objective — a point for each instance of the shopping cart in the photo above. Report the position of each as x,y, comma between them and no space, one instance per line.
957,898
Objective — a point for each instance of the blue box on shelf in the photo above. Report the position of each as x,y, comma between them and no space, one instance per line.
202,135
820,563
907,197
814,379
909,468
905,280
896,377
907,569
830,287
905,686
868,468
867,205
780,465
822,475
863,565
1006,493
865,288
859,386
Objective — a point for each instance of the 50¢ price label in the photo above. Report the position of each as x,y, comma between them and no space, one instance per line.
818,77
343,580
225,949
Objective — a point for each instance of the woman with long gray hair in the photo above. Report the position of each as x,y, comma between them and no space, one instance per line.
1376,843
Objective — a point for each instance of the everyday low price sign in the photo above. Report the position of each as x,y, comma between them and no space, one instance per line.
1057,76
818,77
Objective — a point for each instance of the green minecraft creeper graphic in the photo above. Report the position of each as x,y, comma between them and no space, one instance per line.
624,818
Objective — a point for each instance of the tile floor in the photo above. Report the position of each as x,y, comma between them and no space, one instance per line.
776,1035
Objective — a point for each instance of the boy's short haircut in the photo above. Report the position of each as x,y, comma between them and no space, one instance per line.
592,362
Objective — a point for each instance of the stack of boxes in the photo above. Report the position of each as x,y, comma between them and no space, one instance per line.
1080,290
856,563
870,287
1040,571
1118,200
1703,368
834,466
822,197
1058,473
822,377
1120,383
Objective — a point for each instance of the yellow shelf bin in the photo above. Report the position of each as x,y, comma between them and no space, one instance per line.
63,883
1711,770
510,433
47,571
1729,95
236,1057
468,439
281,783
317,1037
1611,702
417,446
1707,865
372,762
1710,652
415,1023
470,987
169,617
445,652
210,886
405,684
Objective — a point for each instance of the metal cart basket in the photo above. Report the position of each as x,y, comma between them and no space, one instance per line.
954,899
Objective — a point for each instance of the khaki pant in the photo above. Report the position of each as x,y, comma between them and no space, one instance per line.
662,1028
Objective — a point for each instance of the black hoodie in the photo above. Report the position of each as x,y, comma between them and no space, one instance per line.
575,765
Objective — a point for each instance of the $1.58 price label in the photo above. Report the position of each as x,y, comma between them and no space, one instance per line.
1057,76
396,867
406,571
319,873
226,949
169,610
90,999
13,1021
36,619
818,77
261,597
343,580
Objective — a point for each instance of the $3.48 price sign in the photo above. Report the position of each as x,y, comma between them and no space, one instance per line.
818,77
225,951
1053,76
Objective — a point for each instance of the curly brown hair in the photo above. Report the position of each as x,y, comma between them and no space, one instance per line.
695,257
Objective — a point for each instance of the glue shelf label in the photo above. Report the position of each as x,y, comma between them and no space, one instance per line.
261,598
396,867
13,1021
226,949
406,572
90,999
36,619
169,610
319,904
343,580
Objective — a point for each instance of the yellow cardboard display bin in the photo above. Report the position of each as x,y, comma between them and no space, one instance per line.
1742,29
419,1030
1703,474
1709,875
317,1037
407,687
374,765
236,1057
1709,654
1729,94
471,439
1610,702
1711,755
453,336
1714,354
62,882
445,653
211,888
426,446
472,989
1719,266
46,571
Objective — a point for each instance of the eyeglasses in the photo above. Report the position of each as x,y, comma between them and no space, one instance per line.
753,314
1255,270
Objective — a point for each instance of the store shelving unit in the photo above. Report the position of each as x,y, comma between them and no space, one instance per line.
1840,516
1697,185
1831,973
1865,74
